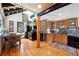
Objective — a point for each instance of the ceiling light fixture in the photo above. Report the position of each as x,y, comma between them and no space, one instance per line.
39,6
59,14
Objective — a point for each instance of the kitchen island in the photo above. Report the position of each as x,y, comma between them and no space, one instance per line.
66,39
55,37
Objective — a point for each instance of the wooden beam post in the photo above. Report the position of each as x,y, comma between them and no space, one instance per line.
38,31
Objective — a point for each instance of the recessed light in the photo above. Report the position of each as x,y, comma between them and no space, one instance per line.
39,6
59,14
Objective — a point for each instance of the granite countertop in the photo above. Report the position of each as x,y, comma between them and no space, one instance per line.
75,35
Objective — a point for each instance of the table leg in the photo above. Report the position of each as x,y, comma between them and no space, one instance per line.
19,43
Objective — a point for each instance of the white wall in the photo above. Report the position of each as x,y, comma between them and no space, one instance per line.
0,5
16,18
68,11
29,13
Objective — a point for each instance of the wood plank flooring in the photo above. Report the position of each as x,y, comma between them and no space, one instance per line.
29,48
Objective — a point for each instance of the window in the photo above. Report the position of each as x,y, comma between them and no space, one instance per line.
1,18
20,27
1,22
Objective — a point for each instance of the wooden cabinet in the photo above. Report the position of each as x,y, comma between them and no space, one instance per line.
49,38
43,26
64,39
56,24
67,23
48,24
76,22
72,23
61,38
57,38
52,24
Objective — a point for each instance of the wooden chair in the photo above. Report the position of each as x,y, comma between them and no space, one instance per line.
13,40
6,44
18,39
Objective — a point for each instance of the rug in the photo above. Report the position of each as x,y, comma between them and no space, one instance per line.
65,48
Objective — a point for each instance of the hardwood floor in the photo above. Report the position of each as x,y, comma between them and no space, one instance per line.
29,48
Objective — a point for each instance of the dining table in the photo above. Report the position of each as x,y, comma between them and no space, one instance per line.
5,36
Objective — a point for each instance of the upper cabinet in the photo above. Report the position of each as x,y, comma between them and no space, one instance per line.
70,23
49,24
73,23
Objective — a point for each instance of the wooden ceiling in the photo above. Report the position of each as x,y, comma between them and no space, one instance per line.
10,8
46,7
34,6
52,8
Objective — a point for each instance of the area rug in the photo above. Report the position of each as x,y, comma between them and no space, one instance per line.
65,48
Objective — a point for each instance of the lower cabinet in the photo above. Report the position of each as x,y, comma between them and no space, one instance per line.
64,39
61,38
49,38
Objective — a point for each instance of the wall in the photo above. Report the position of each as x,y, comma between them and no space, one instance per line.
0,5
1,17
68,11
16,18
29,13
1,11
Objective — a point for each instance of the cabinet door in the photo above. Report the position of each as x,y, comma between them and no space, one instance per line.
76,22
49,38
67,24
56,24
61,38
57,38
64,39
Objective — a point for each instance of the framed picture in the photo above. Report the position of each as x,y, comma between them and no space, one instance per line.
11,26
24,17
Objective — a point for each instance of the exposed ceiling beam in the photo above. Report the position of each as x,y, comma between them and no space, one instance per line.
7,4
10,9
52,8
